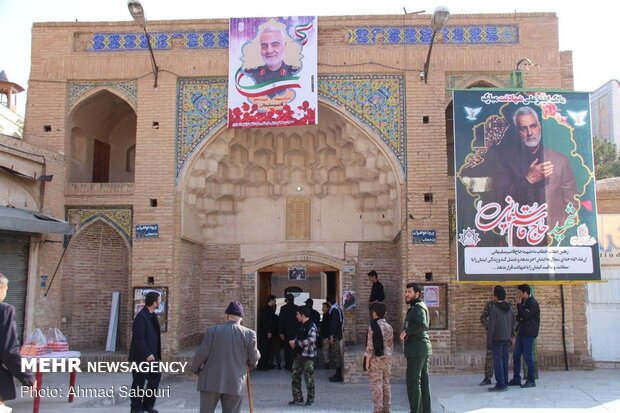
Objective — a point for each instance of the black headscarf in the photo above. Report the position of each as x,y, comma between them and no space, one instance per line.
377,338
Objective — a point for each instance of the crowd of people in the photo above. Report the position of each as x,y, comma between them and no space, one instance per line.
229,350
505,329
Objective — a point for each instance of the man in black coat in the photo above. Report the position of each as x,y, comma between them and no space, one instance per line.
528,319
146,347
10,360
288,327
265,331
336,324
324,333
377,294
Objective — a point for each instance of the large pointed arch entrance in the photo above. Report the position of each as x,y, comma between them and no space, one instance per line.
263,200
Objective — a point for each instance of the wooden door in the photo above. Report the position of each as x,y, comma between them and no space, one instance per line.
101,162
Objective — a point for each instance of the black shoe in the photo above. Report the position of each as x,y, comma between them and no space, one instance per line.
528,384
336,379
326,366
296,403
151,410
497,388
309,402
514,382
485,382
136,411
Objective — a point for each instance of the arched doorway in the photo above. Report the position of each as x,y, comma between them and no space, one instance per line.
304,280
97,264
257,198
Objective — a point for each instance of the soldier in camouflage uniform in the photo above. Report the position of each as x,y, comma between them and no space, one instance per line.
488,359
378,358
304,346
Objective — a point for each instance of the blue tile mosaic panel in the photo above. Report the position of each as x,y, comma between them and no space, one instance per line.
121,218
132,42
376,101
470,35
362,35
77,89
201,110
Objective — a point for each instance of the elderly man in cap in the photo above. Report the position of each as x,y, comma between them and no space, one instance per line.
222,362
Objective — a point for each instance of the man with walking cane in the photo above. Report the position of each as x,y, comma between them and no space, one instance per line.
223,360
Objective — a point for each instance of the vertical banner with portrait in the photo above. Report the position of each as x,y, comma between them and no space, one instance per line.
525,190
272,73
139,294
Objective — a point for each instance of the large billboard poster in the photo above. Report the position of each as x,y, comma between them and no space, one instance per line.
272,73
525,190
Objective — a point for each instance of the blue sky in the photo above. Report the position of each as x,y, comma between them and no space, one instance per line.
586,28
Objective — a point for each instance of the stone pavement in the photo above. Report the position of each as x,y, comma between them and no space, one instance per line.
574,391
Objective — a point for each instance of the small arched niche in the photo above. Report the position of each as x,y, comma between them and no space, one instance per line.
103,139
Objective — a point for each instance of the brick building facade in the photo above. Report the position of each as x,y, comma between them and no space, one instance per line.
235,208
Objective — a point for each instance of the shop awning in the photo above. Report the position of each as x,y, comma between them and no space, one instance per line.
23,220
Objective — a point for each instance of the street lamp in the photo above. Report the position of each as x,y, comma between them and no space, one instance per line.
137,12
440,18
516,77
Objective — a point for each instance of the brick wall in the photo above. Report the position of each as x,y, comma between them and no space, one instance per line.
566,62
385,258
189,273
466,303
222,282
97,265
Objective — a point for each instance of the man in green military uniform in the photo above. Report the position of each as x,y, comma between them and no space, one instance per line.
417,350
488,359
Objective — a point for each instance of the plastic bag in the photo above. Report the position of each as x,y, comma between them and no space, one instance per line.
34,345
36,338
56,341
54,335
5,409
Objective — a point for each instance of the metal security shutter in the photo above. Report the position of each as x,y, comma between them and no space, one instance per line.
603,308
14,265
